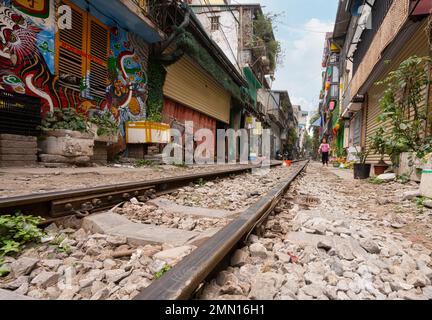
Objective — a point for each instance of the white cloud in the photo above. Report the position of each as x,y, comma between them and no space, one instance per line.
304,103
301,73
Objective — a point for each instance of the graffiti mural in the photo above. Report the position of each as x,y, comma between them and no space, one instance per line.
127,92
27,55
26,68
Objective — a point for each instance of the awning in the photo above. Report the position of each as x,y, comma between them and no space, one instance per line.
116,12
317,123
253,83
353,107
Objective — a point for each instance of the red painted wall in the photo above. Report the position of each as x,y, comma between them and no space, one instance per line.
423,7
176,111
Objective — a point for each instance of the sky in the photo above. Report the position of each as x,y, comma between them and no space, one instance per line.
301,30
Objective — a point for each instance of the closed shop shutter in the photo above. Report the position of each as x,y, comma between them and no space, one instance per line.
191,86
357,129
418,45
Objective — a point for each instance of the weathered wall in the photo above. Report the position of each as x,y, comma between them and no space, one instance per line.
227,37
392,24
176,114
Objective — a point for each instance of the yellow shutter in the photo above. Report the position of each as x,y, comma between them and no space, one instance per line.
71,46
191,86
83,50
98,56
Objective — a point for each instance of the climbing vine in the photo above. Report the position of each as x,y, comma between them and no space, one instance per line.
263,31
157,75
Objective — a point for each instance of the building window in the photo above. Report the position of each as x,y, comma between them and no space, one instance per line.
215,23
82,54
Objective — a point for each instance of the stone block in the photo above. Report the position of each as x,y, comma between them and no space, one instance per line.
67,143
136,233
18,151
18,144
12,164
13,137
18,157
6,295
171,207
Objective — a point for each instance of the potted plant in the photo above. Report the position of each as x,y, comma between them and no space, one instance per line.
361,168
402,107
378,144
65,138
104,127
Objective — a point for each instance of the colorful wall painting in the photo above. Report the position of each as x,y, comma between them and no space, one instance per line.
27,57
27,52
127,92
42,15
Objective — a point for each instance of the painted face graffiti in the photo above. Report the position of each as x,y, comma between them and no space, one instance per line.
17,37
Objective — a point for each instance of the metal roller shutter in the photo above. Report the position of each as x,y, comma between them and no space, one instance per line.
189,85
418,45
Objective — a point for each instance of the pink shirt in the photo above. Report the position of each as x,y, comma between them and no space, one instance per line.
325,147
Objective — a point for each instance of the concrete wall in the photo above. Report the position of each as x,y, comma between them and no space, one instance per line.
227,37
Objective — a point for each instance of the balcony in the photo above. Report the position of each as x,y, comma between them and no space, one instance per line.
366,59
132,17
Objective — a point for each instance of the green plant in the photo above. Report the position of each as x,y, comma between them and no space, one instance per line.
181,165
200,182
164,270
264,37
404,178
157,75
64,119
3,270
18,230
375,181
144,163
106,124
362,155
401,107
61,248
58,239
379,143
67,249
420,202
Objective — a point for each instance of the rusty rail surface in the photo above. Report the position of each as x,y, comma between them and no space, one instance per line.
88,200
181,282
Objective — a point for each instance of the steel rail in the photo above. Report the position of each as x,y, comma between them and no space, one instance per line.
63,203
181,282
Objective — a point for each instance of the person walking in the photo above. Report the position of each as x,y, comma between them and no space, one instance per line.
324,149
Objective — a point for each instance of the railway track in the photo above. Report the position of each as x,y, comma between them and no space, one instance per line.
182,281
90,200
208,248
